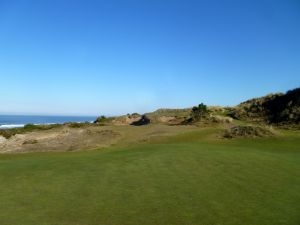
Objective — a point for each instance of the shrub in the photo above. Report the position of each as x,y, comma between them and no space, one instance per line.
143,121
199,112
101,119
78,125
29,126
247,131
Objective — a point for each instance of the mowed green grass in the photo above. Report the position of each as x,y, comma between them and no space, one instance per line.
186,180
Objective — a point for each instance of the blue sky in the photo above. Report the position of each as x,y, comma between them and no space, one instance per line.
112,57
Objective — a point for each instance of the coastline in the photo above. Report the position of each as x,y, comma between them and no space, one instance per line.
19,121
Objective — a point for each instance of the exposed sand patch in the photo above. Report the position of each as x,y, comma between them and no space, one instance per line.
60,140
166,119
126,120
84,138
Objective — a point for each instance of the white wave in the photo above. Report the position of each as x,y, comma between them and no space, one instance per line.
9,126
37,124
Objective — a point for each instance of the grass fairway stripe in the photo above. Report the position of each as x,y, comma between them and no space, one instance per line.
184,180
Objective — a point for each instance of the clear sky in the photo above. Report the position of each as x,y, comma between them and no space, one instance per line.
113,57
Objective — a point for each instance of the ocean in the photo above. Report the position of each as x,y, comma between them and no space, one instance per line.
13,121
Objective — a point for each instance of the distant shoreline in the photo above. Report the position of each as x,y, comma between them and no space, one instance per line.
19,121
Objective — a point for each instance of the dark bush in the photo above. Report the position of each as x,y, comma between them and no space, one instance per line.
101,119
199,112
143,121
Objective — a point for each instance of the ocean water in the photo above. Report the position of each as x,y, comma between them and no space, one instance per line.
12,121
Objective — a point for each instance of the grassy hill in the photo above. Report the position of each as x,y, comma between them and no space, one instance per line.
278,109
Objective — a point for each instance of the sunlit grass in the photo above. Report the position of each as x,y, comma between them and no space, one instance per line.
187,179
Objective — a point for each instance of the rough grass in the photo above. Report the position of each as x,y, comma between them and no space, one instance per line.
247,131
189,179
171,112
7,133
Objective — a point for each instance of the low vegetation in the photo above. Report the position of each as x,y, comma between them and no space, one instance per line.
7,133
278,109
247,131
101,119
78,125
